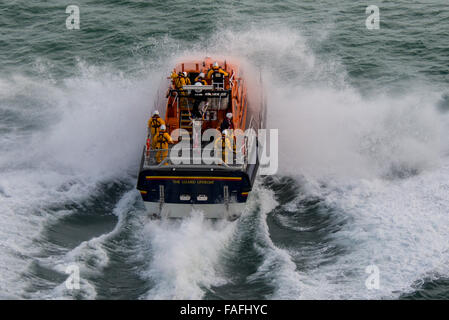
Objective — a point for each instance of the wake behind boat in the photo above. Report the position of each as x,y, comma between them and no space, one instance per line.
201,152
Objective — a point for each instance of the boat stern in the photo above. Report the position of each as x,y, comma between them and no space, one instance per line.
177,194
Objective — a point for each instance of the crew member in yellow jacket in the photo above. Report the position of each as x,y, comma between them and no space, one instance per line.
162,141
217,74
200,79
155,124
224,145
180,79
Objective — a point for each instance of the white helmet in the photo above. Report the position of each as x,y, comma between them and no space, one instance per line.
201,75
155,112
229,115
215,65
185,74
198,84
163,127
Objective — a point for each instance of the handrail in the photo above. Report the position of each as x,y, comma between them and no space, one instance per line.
176,98
231,80
203,93
150,159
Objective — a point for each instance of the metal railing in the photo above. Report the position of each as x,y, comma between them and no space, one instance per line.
163,157
155,157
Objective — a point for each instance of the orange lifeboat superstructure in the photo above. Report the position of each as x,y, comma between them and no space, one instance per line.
236,103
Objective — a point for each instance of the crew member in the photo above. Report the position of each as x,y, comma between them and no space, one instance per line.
224,145
162,141
217,75
201,79
154,125
198,98
180,79
227,123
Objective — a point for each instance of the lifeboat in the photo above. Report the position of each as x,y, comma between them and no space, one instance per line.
207,168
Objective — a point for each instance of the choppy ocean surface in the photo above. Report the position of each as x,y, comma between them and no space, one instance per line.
364,146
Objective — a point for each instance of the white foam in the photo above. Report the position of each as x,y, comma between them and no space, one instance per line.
89,128
90,257
277,269
185,256
330,135
379,159
356,147
399,226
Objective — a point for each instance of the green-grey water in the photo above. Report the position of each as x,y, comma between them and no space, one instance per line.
364,155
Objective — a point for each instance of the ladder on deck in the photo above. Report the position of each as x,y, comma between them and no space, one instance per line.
185,121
